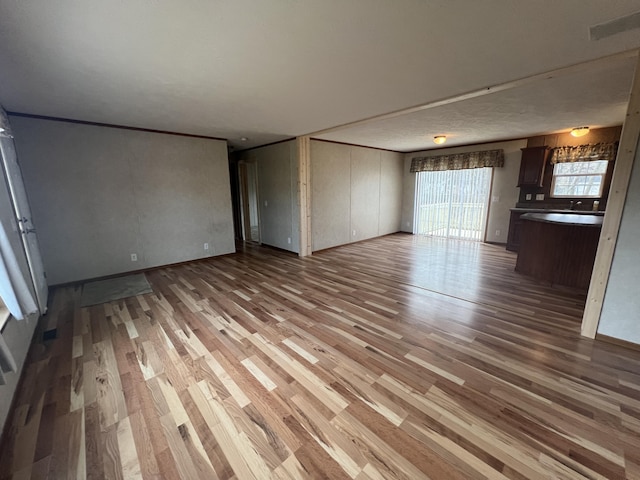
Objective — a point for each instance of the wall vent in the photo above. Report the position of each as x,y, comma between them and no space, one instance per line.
613,27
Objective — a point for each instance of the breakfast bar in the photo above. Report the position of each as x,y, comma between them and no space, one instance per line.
559,248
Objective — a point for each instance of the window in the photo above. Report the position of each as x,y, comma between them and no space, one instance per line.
579,179
4,314
452,203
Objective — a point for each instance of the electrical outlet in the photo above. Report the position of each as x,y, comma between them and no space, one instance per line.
528,196
497,233
134,257
206,246
495,198
408,224
266,204
289,240
539,196
354,233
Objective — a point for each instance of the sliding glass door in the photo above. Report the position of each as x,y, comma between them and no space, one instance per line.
452,203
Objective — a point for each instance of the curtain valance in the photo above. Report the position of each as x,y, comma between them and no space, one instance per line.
458,161
585,153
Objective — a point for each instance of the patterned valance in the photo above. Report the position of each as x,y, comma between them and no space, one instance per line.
458,161
585,153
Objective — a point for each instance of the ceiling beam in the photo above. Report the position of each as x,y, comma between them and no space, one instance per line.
569,70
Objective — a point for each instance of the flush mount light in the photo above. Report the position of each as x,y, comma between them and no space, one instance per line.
1,129
243,139
439,139
580,131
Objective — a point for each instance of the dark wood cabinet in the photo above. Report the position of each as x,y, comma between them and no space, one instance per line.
557,253
532,165
515,228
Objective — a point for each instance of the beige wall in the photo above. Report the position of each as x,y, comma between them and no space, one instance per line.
620,317
504,193
356,193
99,194
277,167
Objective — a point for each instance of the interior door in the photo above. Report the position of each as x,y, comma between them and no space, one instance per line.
25,222
247,173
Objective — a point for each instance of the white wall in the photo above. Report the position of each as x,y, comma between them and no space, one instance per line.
620,316
504,192
277,167
356,193
17,334
99,194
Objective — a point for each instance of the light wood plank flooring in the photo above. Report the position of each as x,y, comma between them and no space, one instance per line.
400,357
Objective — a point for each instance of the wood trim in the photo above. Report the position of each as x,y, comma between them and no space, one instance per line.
488,208
109,125
241,151
303,147
617,341
615,206
357,145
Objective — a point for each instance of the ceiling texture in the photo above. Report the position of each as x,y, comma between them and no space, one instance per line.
389,73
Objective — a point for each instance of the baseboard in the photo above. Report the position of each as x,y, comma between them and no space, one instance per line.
618,341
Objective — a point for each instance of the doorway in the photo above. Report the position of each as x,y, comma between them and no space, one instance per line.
10,170
248,180
452,203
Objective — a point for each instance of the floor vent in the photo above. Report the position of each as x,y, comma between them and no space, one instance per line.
50,335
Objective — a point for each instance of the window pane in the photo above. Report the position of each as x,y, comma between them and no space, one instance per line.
578,186
597,167
579,179
452,203
576,168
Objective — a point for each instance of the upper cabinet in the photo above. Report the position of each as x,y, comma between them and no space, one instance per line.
532,166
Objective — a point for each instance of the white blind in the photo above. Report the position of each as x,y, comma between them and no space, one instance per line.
452,203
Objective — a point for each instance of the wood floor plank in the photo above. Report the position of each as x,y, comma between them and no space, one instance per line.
399,357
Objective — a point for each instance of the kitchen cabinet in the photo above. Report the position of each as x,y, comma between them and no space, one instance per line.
532,165
559,249
515,228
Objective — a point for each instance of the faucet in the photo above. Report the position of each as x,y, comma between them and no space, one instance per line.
572,205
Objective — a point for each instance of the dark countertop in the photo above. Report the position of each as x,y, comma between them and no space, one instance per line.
565,211
565,218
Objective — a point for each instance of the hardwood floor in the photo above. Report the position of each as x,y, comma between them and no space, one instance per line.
398,357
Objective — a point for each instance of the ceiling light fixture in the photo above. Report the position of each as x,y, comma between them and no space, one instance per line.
580,131
439,139
243,139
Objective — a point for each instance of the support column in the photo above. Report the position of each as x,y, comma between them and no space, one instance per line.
303,147
615,205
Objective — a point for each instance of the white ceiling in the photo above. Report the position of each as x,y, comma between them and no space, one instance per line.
273,69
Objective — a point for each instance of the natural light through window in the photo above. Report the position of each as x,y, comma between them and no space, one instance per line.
579,179
4,314
452,203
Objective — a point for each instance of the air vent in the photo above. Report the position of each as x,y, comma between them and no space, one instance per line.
613,27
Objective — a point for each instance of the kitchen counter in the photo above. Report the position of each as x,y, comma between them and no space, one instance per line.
557,210
565,218
559,248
